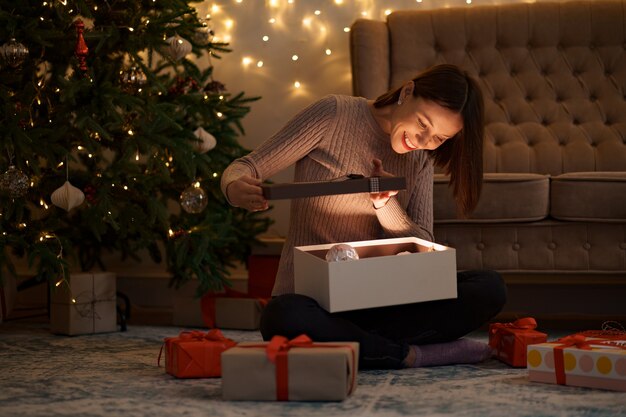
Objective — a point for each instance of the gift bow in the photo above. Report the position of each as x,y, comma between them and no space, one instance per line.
214,335
527,323
280,345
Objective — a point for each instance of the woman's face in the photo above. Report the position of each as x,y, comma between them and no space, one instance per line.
422,124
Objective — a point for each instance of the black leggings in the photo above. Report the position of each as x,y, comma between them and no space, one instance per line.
385,333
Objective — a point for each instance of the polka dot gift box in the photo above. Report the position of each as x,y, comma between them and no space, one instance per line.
578,360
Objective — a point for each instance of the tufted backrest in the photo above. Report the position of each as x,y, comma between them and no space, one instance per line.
553,76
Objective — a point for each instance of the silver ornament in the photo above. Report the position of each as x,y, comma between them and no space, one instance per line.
14,182
341,252
14,53
203,34
133,79
193,199
178,47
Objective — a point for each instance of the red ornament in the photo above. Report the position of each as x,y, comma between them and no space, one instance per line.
90,194
81,49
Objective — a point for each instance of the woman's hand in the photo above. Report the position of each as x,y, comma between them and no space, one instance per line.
246,192
380,199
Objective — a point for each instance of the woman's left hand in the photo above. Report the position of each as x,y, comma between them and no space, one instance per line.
380,199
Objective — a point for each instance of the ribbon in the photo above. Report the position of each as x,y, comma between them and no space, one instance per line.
578,341
207,304
277,352
611,330
214,335
527,323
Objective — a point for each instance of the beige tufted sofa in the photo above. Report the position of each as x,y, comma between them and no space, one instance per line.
553,207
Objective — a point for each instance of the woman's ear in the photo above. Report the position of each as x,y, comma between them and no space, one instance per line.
407,90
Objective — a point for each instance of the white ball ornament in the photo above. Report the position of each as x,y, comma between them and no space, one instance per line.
341,252
67,196
178,47
205,142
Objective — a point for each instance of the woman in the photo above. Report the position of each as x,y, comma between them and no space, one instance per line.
434,119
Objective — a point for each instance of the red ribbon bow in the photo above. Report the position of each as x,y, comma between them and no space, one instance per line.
214,335
527,323
279,345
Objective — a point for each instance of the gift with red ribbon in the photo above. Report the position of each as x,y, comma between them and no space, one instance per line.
581,360
290,370
232,309
510,340
195,354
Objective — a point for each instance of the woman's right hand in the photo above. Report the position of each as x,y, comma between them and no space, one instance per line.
246,192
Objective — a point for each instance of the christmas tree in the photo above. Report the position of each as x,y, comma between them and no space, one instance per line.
113,139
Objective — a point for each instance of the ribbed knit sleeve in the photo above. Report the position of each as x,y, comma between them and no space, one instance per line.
295,140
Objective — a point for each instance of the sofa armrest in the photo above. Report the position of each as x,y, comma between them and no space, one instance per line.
369,58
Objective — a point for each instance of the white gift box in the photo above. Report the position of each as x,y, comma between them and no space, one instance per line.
380,277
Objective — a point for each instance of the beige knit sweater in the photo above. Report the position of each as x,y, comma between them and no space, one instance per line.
334,137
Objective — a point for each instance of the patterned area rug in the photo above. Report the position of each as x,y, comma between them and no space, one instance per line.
116,374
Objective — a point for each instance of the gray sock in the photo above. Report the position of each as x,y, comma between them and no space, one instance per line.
450,353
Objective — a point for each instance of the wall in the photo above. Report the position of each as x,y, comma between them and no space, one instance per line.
311,29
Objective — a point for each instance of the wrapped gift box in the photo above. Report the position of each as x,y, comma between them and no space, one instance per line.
593,362
262,270
510,340
347,185
241,313
296,370
86,305
195,354
380,277
187,310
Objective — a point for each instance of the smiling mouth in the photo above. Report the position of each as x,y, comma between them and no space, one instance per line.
409,145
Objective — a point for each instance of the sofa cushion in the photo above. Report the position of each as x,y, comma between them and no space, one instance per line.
506,197
589,196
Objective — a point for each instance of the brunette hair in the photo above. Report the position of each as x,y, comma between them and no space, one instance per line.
462,155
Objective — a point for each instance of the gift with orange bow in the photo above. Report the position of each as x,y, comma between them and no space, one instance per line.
593,359
195,354
290,370
510,340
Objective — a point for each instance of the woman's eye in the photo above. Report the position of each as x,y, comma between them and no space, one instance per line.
420,123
